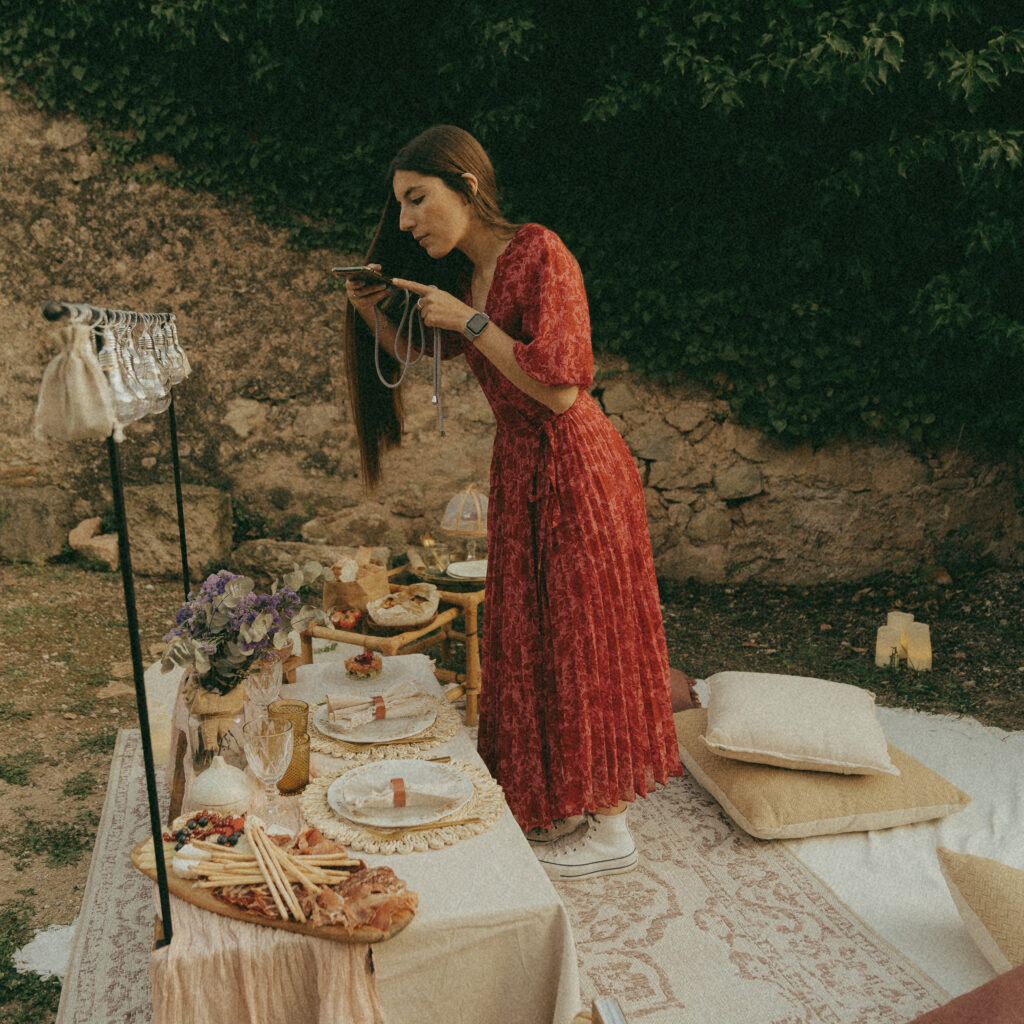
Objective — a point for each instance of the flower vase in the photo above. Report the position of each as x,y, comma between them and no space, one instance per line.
214,724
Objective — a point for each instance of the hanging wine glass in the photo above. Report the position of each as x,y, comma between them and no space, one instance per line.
124,402
128,360
177,361
149,371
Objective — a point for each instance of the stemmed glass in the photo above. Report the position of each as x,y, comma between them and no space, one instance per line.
263,685
268,746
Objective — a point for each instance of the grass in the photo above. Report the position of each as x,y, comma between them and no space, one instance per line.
62,843
16,769
101,742
24,998
10,712
82,785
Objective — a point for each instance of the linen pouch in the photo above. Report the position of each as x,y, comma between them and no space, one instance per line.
75,403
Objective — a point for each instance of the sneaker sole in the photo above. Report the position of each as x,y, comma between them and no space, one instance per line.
566,873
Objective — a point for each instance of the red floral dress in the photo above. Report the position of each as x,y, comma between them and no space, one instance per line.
575,710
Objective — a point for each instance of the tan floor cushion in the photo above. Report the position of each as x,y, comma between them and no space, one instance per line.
780,803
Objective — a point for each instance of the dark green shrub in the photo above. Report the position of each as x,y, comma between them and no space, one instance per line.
816,212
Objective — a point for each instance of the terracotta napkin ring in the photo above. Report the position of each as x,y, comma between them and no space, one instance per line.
379,710
398,788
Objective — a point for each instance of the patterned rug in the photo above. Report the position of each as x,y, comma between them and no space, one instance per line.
717,926
713,926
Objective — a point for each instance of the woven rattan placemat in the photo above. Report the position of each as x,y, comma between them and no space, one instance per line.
444,727
485,807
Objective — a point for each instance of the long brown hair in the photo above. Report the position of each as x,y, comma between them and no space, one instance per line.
444,152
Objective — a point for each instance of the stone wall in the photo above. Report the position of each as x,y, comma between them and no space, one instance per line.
263,417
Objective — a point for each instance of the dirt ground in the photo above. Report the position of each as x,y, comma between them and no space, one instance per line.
66,688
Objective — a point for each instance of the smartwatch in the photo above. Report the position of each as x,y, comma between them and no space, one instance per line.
475,325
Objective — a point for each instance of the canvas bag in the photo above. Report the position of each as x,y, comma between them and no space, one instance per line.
74,397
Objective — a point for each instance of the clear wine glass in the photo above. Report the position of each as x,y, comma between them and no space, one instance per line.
268,746
263,684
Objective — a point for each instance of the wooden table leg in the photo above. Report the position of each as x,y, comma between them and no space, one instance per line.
472,664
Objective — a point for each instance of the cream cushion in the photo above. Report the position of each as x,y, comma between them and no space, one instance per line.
796,722
989,897
776,803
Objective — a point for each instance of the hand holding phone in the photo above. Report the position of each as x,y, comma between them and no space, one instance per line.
365,275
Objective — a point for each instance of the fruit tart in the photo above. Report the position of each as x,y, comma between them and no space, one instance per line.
366,665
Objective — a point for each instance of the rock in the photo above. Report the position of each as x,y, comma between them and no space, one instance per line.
739,481
314,532
618,397
244,415
153,528
711,524
44,232
86,539
687,416
87,166
650,437
85,530
64,135
267,559
34,522
103,548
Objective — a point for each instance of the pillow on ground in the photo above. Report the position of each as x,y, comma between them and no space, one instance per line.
989,896
998,1001
776,803
796,722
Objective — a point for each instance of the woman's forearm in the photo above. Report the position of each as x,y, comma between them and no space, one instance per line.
496,346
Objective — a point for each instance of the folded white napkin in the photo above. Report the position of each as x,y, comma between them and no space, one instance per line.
347,711
366,794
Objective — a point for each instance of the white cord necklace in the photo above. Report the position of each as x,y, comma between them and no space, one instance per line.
410,316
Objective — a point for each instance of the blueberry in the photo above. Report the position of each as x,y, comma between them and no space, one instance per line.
203,822
221,840
178,845
233,839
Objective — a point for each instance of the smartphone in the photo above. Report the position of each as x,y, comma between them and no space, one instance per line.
367,273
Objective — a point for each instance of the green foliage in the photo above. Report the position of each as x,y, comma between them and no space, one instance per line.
818,212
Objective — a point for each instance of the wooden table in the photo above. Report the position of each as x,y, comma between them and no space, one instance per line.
440,630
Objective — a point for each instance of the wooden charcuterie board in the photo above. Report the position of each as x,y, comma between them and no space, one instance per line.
183,888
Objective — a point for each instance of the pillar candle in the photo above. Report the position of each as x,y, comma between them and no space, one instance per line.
919,646
887,639
900,620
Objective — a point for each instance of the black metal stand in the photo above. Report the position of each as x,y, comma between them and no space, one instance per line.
58,311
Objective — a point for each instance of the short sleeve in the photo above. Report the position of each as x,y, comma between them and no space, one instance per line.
554,344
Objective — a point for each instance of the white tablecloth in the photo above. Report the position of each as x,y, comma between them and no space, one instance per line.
491,941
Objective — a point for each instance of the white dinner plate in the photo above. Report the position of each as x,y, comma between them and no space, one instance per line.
475,570
380,773
380,730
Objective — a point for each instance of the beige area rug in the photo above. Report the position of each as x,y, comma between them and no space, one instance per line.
107,981
713,927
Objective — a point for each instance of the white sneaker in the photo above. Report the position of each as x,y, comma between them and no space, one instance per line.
604,847
561,827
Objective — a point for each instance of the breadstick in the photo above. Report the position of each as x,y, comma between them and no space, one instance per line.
268,879
259,839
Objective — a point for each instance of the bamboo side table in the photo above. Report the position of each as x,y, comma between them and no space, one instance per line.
439,630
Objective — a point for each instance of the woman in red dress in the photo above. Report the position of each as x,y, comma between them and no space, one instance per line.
575,711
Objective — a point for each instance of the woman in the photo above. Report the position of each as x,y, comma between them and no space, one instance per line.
575,715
